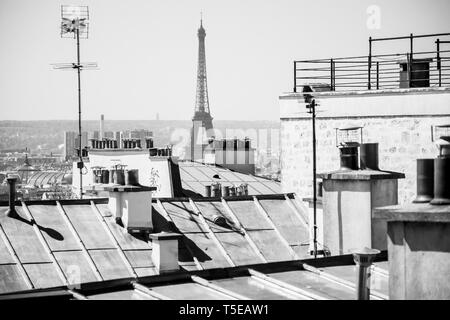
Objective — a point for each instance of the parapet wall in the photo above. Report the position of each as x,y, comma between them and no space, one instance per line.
399,120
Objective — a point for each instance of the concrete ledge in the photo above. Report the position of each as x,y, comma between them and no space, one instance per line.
165,236
311,200
415,212
119,188
117,151
359,93
373,103
361,175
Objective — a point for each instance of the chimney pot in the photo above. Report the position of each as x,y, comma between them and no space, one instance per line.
369,156
225,191
441,181
132,177
207,191
12,197
425,180
364,258
349,157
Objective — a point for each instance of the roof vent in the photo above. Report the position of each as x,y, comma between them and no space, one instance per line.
220,221
425,180
369,156
12,197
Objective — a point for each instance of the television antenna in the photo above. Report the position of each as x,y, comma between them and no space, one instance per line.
311,104
75,24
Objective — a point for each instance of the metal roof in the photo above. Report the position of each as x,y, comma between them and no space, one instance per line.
319,279
195,176
78,241
49,177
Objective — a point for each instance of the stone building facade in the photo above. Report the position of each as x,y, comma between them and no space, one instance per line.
399,120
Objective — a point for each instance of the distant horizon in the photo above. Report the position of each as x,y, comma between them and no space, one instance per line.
106,120
148,63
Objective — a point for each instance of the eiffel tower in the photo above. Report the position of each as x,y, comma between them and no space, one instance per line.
202,120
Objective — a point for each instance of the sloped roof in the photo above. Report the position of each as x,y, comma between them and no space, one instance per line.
195,176
49,177
78,241
321,279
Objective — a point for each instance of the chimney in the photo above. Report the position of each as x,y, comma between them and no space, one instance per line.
102,128
165,251
131,204
12,197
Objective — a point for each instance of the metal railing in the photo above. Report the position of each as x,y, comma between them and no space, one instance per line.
376,72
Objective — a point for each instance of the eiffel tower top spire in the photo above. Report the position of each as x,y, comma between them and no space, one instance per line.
202,100
202,120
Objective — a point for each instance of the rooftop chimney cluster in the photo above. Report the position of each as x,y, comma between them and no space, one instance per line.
231,144
115,175
104,143
433,175
216,190
107,143
354,154
348,141
161,152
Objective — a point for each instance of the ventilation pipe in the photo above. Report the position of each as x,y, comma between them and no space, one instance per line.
425,180
216,190
225,191
364,259
132,177
12,197
369,156
349,157
441,181
208,191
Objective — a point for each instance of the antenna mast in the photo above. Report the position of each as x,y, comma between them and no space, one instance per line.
75,24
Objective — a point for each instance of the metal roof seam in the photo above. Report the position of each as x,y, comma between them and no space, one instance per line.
16,259
83,247
44,243
269,220
76,295
265,184
212,234
286,285
302,206
298,214
267,282
197,263
111,236
149,292
246,236
325,275
210,285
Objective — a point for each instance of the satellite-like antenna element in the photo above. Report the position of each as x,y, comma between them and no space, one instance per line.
75,24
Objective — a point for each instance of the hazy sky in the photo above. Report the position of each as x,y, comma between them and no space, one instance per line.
147,53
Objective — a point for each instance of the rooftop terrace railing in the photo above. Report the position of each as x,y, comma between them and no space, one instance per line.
378,72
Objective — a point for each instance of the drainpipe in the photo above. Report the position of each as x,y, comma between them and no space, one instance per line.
363,259
12,197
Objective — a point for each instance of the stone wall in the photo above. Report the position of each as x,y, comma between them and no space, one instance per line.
402,138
